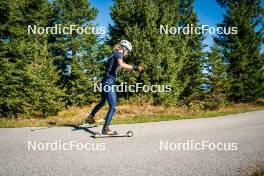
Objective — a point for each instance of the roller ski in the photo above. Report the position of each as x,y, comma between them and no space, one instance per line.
107,132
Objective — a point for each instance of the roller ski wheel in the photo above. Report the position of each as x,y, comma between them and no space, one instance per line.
99,135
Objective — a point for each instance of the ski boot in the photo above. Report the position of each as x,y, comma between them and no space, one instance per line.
90,120
107,131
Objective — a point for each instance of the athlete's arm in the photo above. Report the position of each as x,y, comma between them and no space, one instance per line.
122,64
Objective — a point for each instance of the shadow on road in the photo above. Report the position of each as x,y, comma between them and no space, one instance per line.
76,128
87,129
43,128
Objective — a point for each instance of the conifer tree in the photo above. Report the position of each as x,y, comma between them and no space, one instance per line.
74,55
190,61
216,69
28,79
242,51
44,96
169,59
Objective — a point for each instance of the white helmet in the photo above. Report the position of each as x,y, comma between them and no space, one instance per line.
126,44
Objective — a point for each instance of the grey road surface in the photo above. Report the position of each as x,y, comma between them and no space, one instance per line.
231,144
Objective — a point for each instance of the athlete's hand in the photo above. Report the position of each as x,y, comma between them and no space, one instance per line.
140,69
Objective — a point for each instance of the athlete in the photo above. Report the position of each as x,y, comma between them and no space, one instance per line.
115,62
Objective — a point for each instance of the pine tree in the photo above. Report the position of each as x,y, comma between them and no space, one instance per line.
169,59
6,107
44,96
74,54
216,75
28,79
241,51
190,60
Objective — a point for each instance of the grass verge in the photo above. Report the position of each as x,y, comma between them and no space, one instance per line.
128,113
255,169
258,173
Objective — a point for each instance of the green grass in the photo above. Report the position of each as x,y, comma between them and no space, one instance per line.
126,114
258,174
158,118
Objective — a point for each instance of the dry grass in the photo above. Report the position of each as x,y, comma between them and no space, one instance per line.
256,169
129,113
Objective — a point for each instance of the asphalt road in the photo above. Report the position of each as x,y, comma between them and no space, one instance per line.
71,151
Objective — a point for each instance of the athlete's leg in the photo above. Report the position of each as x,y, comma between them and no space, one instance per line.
90,118
111,99
99,105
